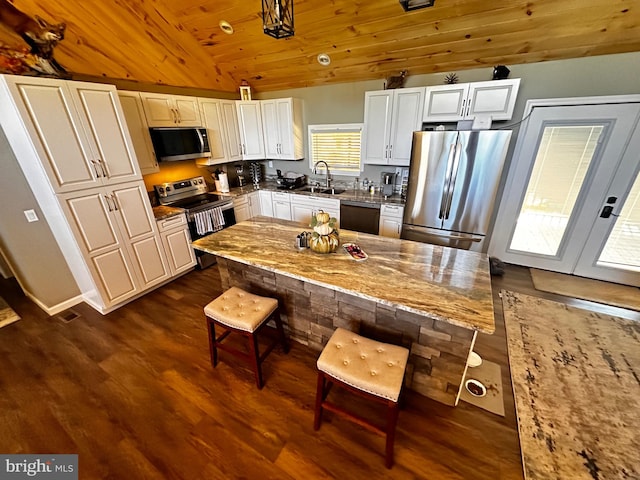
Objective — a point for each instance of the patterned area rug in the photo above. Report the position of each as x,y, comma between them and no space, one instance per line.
7,315
586,289
576,378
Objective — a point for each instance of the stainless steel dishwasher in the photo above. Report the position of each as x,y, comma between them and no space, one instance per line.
360,216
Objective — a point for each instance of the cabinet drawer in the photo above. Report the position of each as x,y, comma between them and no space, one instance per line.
280,197
392,210
172,222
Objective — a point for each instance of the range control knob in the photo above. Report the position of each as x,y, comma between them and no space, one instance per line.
200,181
168,189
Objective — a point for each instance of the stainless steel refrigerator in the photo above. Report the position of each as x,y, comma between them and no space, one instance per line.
453,180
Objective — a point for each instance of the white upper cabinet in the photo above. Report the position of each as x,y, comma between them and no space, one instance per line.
83,139
451,103
212,119
390,118
232,130
283,128
250,127
164,110
139,131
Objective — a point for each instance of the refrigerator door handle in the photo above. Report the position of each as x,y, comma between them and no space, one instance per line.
447,179
452,182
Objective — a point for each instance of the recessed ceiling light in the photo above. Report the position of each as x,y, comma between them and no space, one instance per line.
324,59
226,27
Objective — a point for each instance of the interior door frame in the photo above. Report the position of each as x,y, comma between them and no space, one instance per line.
499,243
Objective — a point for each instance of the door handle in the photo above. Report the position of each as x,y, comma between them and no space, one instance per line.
452,182
607,211
447,178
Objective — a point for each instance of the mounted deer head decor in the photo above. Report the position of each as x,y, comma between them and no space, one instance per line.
40,36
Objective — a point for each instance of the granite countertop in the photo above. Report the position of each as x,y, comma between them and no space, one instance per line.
442,283
162,212
348,194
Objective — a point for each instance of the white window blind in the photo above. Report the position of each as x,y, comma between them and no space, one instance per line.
338,145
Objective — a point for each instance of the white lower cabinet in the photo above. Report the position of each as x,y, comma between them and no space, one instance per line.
303,207
266,203
174,232
391,220
118,237
281,205
246,206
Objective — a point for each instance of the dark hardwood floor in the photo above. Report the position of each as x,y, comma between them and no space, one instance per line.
134,394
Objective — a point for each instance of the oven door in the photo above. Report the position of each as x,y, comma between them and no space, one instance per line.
206,259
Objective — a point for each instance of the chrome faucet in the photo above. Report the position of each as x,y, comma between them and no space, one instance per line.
315,171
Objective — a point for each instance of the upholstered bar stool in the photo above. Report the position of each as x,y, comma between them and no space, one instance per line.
244,313
368,368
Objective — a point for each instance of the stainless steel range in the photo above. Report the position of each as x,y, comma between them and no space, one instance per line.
206,212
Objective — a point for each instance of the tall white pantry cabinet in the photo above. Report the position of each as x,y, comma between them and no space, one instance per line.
72,143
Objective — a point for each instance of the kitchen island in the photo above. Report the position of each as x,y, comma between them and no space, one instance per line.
433,299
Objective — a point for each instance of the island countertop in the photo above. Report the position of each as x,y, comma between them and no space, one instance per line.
441,283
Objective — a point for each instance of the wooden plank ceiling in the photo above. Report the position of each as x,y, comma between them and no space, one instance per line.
179,43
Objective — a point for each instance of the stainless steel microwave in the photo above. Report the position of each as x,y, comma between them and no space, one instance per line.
180,143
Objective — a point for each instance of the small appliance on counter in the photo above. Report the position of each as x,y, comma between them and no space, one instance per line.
241,174
290,180
387,184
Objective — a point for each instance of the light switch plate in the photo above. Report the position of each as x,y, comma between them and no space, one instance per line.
31,216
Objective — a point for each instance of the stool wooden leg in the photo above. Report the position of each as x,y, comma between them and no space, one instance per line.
280,328
213,351
255,358
392,420
319,399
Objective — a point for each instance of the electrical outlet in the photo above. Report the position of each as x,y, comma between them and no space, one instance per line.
270,163
31,216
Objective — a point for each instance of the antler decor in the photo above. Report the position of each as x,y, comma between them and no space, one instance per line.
40,36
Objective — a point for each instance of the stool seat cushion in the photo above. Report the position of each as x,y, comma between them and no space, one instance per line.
374,367
241,310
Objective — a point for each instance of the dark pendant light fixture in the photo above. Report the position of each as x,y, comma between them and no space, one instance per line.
277,18
409,5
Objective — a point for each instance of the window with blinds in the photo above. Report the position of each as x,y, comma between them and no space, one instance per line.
338,145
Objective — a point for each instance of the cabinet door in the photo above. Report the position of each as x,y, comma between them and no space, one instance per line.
151,263
266,203
114,151
91,218
445,103
139,232
390,227
254,204
159,109
301,212
241,208
213,121
377,125
269,110
177,244
187,111
281,205
286,129
56,128
139,131
250,125
495,99
407,118
233,142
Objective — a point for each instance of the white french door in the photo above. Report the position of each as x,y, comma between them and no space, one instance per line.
572,199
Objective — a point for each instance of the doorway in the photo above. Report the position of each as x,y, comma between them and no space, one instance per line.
571,203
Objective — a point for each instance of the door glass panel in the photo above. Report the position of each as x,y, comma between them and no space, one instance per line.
561,165
622,249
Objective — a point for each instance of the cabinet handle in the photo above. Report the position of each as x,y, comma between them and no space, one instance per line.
106,199
174,115
390,151
103,167
115,202
178,116
95,167
464,104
